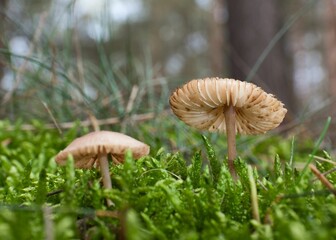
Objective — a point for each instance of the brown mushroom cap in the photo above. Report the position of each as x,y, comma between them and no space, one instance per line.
86,149
201,103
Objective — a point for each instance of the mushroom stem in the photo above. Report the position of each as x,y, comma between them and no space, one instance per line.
104,168
230,122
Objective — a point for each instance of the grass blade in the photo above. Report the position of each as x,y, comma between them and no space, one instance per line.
317,145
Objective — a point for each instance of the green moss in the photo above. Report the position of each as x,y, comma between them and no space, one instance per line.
161,196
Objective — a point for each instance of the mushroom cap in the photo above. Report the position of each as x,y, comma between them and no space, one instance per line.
201,103
86,149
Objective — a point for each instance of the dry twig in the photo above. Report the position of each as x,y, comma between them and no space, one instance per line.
322,178
86,123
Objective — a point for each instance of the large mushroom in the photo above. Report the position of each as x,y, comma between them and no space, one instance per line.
86,150
227,105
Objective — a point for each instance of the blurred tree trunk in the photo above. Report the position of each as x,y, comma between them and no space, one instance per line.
217,38
3,4
330,45
251,26
330,54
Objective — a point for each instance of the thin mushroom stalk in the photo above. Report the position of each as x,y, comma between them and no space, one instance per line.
230,122
104,168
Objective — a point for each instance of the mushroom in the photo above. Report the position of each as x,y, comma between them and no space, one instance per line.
227,105
86,150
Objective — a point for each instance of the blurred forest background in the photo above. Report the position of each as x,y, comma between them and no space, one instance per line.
64,60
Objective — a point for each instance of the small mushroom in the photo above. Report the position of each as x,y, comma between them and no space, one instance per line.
227,105
86,150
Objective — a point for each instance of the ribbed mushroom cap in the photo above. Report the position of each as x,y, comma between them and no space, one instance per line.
200,103
86,149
